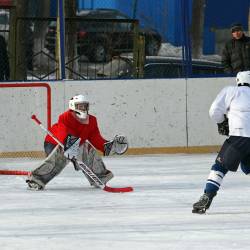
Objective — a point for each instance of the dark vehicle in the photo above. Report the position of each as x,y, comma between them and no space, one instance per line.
99,39
158,67
4,24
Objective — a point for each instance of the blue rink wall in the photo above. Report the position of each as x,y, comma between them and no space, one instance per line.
157,115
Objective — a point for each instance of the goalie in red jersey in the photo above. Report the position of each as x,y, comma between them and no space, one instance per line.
76,124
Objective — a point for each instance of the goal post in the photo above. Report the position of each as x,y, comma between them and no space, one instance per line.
19,137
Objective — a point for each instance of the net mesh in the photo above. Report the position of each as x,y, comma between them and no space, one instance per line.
20,136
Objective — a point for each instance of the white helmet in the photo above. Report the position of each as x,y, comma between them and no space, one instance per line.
82,109
243,78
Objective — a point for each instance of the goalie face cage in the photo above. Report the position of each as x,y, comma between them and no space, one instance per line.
19,136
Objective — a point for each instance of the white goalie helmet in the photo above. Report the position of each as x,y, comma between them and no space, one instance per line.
243,78
80,105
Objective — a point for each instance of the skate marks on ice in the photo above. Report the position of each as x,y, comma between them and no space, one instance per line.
69,214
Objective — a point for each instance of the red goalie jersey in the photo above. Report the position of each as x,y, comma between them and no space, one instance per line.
68,124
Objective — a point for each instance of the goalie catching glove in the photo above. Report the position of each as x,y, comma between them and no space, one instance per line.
118,145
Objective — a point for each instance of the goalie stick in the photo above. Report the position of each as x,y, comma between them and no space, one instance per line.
84,167
13,172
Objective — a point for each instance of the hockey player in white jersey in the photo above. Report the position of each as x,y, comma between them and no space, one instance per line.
231,111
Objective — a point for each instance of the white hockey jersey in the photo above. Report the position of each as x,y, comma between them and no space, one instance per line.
233,101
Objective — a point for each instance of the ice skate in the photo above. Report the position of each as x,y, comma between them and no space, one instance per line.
34,186
203,204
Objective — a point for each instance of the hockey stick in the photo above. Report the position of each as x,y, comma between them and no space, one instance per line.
14,172
84,167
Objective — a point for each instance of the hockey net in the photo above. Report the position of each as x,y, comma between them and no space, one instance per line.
20,138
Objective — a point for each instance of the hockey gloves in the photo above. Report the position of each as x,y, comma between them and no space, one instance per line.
118,145
223,128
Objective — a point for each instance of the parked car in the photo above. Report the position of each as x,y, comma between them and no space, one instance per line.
100,40
158,67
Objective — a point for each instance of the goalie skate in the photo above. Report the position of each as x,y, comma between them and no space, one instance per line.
34,186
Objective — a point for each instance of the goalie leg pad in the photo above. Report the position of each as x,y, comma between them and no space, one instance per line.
49,168
94,161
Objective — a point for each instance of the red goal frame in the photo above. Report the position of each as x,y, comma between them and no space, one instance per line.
34,85
48,108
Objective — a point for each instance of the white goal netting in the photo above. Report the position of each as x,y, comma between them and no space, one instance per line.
19,135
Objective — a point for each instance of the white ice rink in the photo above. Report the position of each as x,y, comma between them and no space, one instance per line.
70,215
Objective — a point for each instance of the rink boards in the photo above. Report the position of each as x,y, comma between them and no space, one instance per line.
157,115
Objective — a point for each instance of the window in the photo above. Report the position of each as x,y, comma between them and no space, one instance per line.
206,70
162,70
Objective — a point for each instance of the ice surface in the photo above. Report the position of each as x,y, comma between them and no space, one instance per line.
70,215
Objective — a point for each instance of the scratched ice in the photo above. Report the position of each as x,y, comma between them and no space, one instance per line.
69,214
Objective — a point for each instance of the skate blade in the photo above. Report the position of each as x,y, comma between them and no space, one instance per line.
34,186
35,189
198,211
